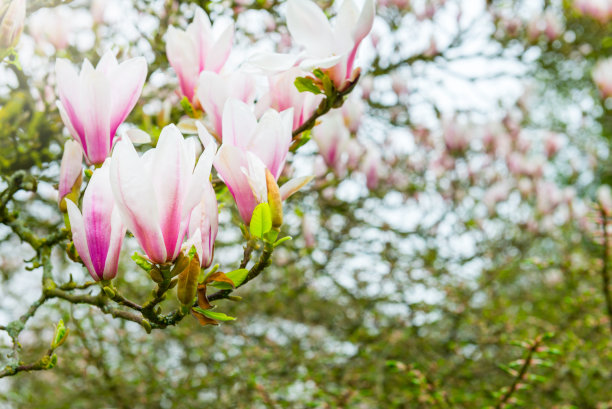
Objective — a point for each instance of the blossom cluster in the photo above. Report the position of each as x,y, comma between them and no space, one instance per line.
165,197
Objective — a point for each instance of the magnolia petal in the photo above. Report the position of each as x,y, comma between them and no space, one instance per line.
183,57
107,63
68,83
138,136
187,125
344,26
98,205
171,174
127,81
228,162
365,22
220,51
79,238
205,137
256,176
96,100
293,186
323,63
272,62
118,230
135,197
212,92
71,167
201,175
272,139
309,27
239,123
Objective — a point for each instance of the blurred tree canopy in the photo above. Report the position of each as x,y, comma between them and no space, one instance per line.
466,267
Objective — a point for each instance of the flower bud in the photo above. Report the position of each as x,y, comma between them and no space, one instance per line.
274,201
188,281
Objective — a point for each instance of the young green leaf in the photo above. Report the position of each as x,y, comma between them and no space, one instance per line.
142,262
219,316
306,84
261,221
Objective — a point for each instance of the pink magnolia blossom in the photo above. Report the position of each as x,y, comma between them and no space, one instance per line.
71,169
11,23
352,111
201,47
157,192
98,232
332,138
214,90
95,102
283,95
602,75
249,147
372,167
332,48
598,9
204,226
54,26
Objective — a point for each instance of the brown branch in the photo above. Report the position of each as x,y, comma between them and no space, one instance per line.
521,375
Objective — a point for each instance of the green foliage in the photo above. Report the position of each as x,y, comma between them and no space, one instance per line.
261,221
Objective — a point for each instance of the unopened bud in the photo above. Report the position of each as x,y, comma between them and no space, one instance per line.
274,201
109,292
181,263
156,275
188,281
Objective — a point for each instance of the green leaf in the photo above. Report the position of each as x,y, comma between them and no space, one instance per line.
142,262
261,221
219,316
271,236
61,332
306,84
237,277
282,240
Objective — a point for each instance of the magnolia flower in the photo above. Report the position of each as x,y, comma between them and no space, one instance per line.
214,90
372,167
267,141
332,137
283,95
95,102
598,9
54,26
12,18
250,149
602,75
333,48
98,232
156,193
201,47
71,171
204,226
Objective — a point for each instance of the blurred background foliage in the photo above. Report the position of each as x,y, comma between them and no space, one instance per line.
470,273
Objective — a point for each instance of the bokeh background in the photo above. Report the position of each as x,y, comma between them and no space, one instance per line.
454,254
